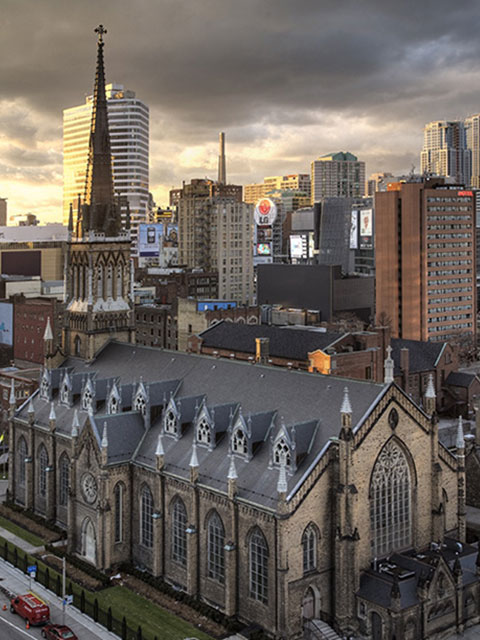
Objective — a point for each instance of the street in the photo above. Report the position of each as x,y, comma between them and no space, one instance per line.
12,626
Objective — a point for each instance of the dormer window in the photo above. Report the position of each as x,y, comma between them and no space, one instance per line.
281,453
87,400
140,404
64,393
45,387
170,422
239,442
203,432
113,407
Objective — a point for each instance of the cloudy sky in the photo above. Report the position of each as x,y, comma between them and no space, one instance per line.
287,80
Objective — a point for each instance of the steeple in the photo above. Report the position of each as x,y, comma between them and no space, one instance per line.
100,211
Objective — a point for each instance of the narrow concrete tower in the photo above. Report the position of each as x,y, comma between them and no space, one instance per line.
222,171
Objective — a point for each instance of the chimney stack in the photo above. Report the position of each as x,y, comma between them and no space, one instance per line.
222,171
262,350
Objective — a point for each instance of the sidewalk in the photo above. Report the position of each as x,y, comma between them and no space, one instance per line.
20,542
16,581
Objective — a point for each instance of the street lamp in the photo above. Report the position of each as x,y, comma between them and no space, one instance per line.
64,575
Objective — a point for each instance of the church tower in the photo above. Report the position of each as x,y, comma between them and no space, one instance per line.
98,270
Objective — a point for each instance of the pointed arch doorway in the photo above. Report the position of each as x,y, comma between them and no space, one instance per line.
89,541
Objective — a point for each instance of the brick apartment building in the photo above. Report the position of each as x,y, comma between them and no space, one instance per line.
359,355
30,319
425,260
172,284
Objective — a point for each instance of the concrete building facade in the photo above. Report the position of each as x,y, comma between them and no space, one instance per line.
445,151
337,175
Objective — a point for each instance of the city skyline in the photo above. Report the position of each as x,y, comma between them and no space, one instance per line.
287,83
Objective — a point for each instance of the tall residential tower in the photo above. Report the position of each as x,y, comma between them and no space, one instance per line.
445,151
337,175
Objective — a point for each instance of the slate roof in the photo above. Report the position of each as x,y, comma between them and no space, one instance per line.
460,379
422,356
284,342
308,405
411,568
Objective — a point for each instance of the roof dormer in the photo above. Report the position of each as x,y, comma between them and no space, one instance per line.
140,399
114,399
88,396
204,433
171,419
283,448
46,386
66,396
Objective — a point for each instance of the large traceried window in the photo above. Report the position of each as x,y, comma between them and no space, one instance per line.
239,442
64,480
309,545
390,501
258,566
179,533
203,432
216,544
118,497
42,470
22,454
146,517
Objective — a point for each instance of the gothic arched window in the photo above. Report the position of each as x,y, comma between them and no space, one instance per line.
203,432
215,551
140,404
170,422
118,500
258,566
113,408
281,453
87,399
390,501
42,470
100,281
22,454
109,281
63,480
309,546
119,281
146,515
179,533
239,442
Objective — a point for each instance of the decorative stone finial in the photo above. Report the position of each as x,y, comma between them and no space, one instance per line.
232,471
388,366
159,450
48,335
282,480
460,442
30,409
53,416
430,391
194,458
75,424
346,406
104,437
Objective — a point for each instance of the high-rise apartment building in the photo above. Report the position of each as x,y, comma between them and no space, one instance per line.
337,175
472,128
445,151
377,182
295,182
216,234
128,122
425,260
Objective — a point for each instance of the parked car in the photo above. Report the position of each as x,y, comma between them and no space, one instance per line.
58,632
31,608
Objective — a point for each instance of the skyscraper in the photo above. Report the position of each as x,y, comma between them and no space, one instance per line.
425,260
472,127
128,121
445,151
337,175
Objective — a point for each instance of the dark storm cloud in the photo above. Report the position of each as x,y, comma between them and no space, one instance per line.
220,62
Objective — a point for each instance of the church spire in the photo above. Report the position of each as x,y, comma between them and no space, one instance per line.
100,212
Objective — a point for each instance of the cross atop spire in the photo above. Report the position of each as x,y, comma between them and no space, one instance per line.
100,30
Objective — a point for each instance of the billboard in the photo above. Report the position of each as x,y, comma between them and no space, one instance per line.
354,230
298,247
366,229
171,236
264,249
6,323
265,212
149,239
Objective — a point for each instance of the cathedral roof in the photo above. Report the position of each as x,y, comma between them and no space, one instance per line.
306,406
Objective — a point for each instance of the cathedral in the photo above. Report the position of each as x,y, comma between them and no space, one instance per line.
284,498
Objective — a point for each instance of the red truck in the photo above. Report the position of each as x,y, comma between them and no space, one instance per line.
30,607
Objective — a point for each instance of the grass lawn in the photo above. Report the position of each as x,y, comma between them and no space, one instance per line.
31,538
154,620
